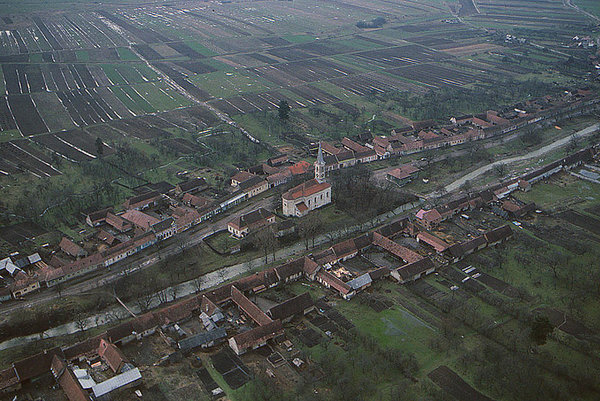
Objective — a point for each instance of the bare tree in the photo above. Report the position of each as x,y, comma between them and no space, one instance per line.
162,296
500,169
59,288
265,240
198,284
144,301
80,322
308,228
174,291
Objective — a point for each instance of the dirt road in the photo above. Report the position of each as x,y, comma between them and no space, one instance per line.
533,154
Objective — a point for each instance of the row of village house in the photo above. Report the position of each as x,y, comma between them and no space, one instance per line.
315,267
165,229
269,325
249,184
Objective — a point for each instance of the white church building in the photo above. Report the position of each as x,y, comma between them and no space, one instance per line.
309,195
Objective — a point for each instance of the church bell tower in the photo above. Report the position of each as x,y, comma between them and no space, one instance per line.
320,166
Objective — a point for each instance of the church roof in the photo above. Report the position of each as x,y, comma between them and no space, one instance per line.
307,188
320,159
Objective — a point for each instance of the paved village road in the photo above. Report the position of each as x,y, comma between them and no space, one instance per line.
536,153
131,264
380,175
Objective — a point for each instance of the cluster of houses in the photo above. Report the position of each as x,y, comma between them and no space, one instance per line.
74,367
159,212
427,135
497,196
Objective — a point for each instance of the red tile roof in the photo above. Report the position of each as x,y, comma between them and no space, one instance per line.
396,249
71,248
334,282
249,308
438,244
140,219
118,222
301,167
111,355
307,188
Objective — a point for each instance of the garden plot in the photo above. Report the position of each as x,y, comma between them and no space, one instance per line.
138,128
312,95
21,232
7,122
372,84
454,385
308,337
315,70
434,75
588,223
252,103
565,323
86,107
145,34
26,116
185,50
192,118
17,156
207,381
400,55
183,81
183,146
231,367
64,148
23,78
83,141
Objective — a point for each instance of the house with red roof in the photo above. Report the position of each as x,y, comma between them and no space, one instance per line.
429,218
309,195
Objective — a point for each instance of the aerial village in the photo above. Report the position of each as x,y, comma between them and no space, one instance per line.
162,210
252,325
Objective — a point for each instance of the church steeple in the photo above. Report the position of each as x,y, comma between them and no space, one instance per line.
320,166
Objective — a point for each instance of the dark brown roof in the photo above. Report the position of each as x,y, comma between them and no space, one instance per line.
249,219
119,332
142,199
389,230
379,273
37,364
192,184
407,272
99,215
498,234
292,306
258,335
144,322
88,346
289,269
364,241
344,248
458,250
